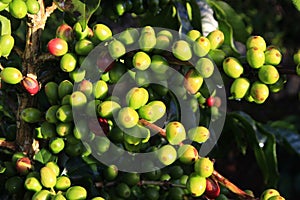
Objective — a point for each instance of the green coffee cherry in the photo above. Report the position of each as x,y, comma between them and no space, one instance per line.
277,197
63,183
256,41
110,173
167,154
193,34
116,49
128,117
153,111
123,190
232,67
83,47
33,184
64,129
163,42
193,81
159,64
147,41
201,46
296,57
7,43
51,91
100,89
137,97
56,145
255,57
196,185
216,39
268,74
175,133
31,115
106,109
101,144
50,115
76,193
68,62
64,113
141,60
102,32
239,88
204,167
188,154
18,9
59,196
268,193
42,195
78,99
272,56
199,134
131,179
33,6
54,167
259,92
48,177
65,87
182,50
217,55
129,36
205,67
276,87
11,75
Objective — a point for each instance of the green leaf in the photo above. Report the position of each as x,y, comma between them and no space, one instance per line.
233,18
228,33
5,27
297,4
44,156
81,10
194,14
271,156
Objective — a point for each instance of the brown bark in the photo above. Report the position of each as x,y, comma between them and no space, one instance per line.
35,26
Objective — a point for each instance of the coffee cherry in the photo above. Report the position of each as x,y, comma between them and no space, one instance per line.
268,193
64,129
116,49
232,67
56,145
14,184
33,184
277,197
204,167
48,177
188,154
182,50
58,196
141,60
78,99
102,32
256,41
48,130
151,193
147,40
137,97
129,36
68,62
259,91
31,115
175,133
76,193
196,185
201,46
51,91
18,9
23,165
31,85
193,81
268,74
217,55
64,113
159,64
79,32
199,134
110,173
50,115
272,56
153,111
193,34
58,47
216,39
42,194
210,101
296,57
65,32
255,57
33,6
128,117
167,154
106,109
239,88
123,190
163,42
7,43
64,88
83,47
100,89
62,183
212,190
11,75
54,167
205,67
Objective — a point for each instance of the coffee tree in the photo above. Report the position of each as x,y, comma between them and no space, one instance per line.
132,100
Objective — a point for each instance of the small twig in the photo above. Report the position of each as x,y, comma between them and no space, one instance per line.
8,145
222,180
45,57
160,183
